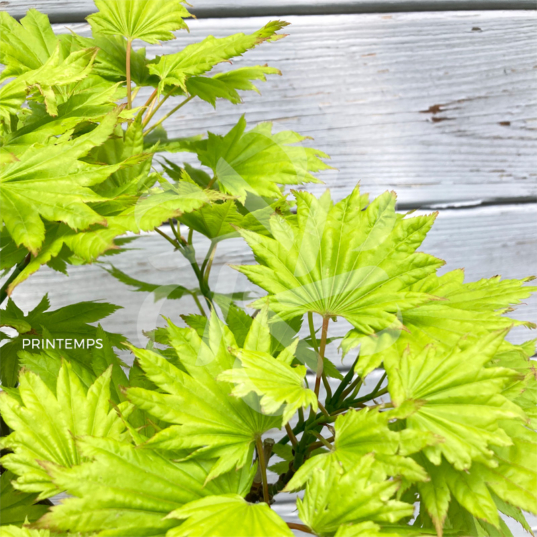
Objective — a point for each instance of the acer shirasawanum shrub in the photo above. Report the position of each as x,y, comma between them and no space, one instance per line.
442,441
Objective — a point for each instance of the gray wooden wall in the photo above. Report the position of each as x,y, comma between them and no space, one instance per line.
436,99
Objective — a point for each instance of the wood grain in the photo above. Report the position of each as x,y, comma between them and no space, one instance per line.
77,10
441,107
486,241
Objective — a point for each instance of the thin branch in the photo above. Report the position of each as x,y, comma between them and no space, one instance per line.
291,435
198,303
178,236
320,358
160,121
327,387
316,445
128,67
379,384
261,458
208,261
312,332
323,410
150,104
16,271
169,239
157,107
323,440
211,182
357,381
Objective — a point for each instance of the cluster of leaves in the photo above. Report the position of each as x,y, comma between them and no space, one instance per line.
180,443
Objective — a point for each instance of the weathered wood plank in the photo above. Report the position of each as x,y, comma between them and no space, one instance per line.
486,241
440,107
77,10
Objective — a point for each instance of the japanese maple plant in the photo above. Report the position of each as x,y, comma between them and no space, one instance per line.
430,428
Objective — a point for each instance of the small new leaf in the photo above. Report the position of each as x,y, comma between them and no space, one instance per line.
277,382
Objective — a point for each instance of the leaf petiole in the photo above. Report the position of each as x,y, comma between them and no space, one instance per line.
128,68
160,121
262,465
320,358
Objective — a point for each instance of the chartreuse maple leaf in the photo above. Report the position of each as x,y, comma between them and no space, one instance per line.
138,204
58,71
359,432
147,20
466,309
522,391
275,380
67,323
350,259
45,425
198,58
206,420
257,161
461,401
225,85
25,45
91,99
17,506
52,183
221,516
129,491
359,495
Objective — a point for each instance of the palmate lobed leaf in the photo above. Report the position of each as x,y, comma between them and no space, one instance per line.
225,85
147,20
257,161
57,72
470,309
333,500
198,58
222,516
219,221
348,259
27,45
274,379
70,322
129,491
90,100
52,183
460,399
127,213
207,422
359,432
45,425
